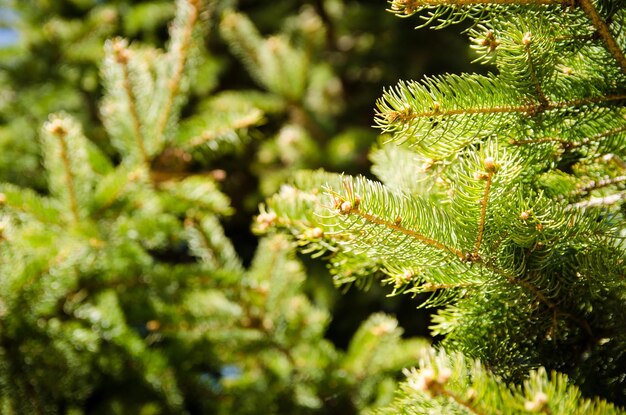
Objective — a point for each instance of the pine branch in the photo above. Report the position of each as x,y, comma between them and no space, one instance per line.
345,208
409,7
58,130
601,201
600,184
526,41
604,31
491,169
182,54
598,140
442,115
451,384
122,56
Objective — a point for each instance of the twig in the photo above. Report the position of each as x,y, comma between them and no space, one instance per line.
483,213
174,82
122,57
57,128
409,232
604,32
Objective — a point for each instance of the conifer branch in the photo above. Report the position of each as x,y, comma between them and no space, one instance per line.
537,293
531,109
174,82
352,208
601,183
483,205
122,57
407,8
563,143
517,281
601,201
434,384
204,240
409,232
571,144
604,31
246,121
57,129
430,287
604,134
465,403
526,41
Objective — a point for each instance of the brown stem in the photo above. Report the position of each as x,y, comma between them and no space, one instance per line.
526,285
570,144
604,31
563,143
531,67
409,232
430,287
483,213
409,7
528,108
477,259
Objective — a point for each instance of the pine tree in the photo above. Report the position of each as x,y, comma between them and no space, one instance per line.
119,291
501,196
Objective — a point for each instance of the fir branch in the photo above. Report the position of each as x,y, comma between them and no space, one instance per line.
600,201
208,254
465,403
526,41
538,294
434,385
431,287
604,31
348,209
475,389
58,130
530,109
173,84
490,165
563,143
566,145
601,183
244,121
122,56
407,8
443,114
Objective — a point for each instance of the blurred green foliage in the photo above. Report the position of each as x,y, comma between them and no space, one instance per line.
116,271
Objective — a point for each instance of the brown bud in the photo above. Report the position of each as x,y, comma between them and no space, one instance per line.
345,207
490,164
480,175
153,325
56,127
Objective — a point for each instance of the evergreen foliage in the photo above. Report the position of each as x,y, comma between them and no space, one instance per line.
53,66
119,291
501,195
